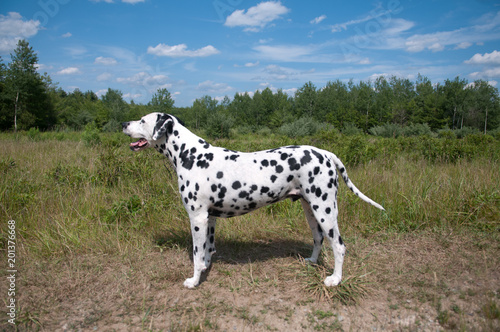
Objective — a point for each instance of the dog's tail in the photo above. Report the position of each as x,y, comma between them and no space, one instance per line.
340,166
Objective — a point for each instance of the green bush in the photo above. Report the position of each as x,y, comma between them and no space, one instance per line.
112,126
495,133
447,133
387,130
461,133
34,134
351,129
264,131
90,135
219,125
305,126
418,129
394,130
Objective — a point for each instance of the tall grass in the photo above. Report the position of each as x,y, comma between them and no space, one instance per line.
70,197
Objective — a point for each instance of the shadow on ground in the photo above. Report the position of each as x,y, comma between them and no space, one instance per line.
239,251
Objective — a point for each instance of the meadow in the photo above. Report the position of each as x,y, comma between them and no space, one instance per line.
104,241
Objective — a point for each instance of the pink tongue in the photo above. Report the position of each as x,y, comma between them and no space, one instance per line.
139,143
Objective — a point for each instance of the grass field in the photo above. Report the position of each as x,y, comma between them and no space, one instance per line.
104,241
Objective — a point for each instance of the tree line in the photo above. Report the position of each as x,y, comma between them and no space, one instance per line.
29,99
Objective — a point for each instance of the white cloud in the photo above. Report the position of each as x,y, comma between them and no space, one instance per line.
486,59
382,17
463,46
488,73
277,73
132,96
365,61
290,92
105,61
486,30
69,71
104,77
248,64
144,79
318,19
284,52
101,92
252,64
190,66
257,17
40,67
181,50
76,51
212,87
14,28
67,35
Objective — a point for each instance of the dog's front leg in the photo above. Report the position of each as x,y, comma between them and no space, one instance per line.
199,231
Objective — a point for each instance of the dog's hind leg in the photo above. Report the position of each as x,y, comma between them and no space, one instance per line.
327,221
316,231
211,240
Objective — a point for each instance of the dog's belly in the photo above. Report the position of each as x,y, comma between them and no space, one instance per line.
242,205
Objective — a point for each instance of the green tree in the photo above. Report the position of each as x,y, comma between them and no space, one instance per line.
383,100
162,101
5,120
306,100
403,104
429,102
240,109
115,108
282,105
364,104
456,98
27,91
202,109
483,107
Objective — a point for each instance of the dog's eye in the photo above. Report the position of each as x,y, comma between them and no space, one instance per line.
142,121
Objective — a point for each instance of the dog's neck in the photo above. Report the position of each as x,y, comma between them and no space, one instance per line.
183,155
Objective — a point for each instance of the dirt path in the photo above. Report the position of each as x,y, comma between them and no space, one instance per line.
424,282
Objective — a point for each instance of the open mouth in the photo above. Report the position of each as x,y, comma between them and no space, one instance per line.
139,145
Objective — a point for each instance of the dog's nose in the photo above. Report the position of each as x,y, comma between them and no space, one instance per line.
125,124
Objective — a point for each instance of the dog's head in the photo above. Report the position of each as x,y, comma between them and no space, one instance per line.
150,128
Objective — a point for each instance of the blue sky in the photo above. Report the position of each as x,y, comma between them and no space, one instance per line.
223,47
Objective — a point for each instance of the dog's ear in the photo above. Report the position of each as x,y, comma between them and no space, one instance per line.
164,125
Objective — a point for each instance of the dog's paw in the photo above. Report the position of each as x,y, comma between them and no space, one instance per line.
311,260
191,283
332,281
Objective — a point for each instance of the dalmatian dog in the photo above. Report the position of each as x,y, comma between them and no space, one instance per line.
217,182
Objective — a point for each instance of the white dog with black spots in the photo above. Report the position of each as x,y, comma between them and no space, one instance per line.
217,182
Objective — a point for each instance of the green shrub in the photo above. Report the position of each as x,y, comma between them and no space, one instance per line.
394,130
495,133
90,135
418,129
244,130
34,134
112,126
447,133
219,125
387,130
305,126
351,129
264,131
461,133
